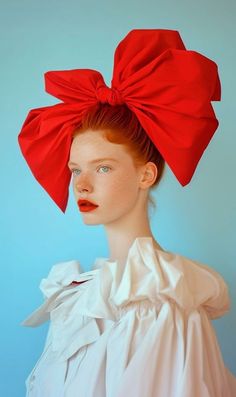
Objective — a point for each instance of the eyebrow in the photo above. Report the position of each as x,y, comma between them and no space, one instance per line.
93,161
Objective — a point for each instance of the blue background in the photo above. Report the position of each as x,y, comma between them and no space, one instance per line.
197,221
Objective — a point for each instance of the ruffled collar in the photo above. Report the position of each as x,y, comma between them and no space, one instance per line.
144,241
149,274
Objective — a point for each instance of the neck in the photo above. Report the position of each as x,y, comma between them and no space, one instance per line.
121,236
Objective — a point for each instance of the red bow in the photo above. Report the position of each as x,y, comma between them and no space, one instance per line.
169,89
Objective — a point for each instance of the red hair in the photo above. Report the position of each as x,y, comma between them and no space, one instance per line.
121,126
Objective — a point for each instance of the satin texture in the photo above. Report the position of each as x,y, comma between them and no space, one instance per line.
167,87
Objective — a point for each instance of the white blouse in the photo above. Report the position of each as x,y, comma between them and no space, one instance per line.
141,331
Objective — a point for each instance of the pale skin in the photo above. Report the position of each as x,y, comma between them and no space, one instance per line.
120,190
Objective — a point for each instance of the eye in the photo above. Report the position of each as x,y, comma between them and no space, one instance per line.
105,166
73,171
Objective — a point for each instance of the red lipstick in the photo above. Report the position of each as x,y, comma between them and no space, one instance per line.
85,205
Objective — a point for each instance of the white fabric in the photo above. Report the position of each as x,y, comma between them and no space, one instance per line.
141,331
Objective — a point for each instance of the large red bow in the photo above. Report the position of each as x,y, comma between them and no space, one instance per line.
169,89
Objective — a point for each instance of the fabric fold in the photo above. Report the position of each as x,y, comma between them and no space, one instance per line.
166,86
156,309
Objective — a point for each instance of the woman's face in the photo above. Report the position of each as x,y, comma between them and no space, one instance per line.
112,184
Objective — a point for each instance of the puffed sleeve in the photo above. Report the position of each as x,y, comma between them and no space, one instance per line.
175,351
159,340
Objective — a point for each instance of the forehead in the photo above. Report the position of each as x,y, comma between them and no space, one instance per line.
90,138
91,145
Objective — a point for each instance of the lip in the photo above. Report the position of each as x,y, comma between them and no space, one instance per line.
86,205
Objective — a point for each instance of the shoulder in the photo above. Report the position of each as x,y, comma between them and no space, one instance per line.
159,276
61,275
194,283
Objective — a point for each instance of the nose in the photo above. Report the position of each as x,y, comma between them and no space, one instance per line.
82,184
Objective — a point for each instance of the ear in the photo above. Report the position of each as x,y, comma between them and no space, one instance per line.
148,176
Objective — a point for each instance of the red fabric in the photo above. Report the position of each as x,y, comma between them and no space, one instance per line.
169,89
77,282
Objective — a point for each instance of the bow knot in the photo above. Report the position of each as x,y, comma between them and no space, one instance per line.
167,87
109,95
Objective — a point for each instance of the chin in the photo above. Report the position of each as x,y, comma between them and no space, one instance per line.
88,221
101,220
92,223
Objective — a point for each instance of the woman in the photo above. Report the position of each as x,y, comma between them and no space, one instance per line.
137,324
119,186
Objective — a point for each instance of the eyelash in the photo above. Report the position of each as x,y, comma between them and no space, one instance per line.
102,166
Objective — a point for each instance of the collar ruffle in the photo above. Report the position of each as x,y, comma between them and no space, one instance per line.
149,274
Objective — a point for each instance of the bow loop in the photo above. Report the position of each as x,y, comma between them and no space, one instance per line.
166,86
109,95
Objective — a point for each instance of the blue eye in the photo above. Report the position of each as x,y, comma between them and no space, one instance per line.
73,171
104,166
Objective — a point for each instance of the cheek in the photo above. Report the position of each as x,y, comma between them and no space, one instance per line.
121,187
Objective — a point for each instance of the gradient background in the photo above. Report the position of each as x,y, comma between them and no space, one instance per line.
197,221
